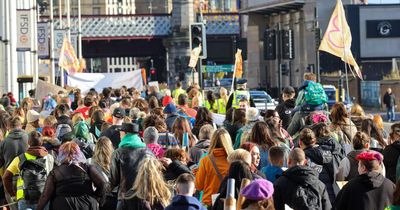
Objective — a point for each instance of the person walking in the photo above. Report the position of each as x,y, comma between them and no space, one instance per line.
389,100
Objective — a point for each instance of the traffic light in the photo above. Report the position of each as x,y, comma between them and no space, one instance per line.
285,69
197,35
287,44
270,44
153,74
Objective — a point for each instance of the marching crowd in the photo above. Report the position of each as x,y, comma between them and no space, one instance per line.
161,149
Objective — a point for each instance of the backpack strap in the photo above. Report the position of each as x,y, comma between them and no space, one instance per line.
22,159
212,159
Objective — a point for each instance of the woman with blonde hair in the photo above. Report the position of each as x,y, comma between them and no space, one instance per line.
214,166
379,124
149,191
223,100
102,160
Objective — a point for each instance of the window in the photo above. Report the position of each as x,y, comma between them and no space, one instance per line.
96,10
96,1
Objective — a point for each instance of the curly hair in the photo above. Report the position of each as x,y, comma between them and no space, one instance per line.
141,104
155,121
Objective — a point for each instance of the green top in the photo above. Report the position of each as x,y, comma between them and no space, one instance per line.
131,140
392,207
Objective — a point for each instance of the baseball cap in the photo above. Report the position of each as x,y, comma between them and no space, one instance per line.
119,113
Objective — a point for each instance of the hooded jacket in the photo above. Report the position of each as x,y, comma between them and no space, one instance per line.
367,191
284,110
285,188
391,153
15,144
181,202
322,162
125,162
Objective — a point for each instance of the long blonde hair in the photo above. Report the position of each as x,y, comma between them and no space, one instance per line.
224,94
150,184
102,153
221,139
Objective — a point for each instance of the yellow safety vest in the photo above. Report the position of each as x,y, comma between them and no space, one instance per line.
176,93
20,182
238,95
221,106
214,108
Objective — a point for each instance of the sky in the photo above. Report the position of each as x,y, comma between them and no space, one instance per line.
383,1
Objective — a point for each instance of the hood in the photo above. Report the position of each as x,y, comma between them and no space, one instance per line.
203,144
318,155
372,179
189,202
290,103
37,151
16,134
302,174
219,152
156,149
131,140
330,144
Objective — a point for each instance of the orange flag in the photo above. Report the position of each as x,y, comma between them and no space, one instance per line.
337,38
68,59
238,64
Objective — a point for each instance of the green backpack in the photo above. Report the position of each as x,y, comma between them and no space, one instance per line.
314,94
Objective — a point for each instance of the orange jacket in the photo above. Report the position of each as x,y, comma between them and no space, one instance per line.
206,176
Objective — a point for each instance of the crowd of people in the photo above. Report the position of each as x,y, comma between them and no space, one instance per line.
158,149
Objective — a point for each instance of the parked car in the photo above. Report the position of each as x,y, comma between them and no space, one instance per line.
263,100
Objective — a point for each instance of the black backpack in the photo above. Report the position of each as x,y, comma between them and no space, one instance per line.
306,197
34,175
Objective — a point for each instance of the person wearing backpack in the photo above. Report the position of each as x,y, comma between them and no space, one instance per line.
285,108
299,186
33,166
319,159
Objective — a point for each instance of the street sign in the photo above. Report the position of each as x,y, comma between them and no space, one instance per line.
219,68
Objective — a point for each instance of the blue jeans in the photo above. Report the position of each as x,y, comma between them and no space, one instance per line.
23,205
391,115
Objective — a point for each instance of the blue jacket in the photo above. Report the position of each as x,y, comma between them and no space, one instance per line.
180,202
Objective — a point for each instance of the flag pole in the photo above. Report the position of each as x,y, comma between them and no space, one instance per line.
233,78
345,65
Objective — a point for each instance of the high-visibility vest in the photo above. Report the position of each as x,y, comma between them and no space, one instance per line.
20,182
238,95
214,108
221,103
176,93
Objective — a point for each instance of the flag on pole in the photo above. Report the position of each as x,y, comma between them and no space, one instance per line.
68,59
194,56
337,38
238,63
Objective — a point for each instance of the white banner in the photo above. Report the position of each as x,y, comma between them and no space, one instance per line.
58,42
85,81
43,40
24,32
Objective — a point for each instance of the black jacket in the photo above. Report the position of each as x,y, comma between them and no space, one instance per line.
391,153
284,110
15,144
175,169
113,134
124,167
367,191
286,189
322,162
389,100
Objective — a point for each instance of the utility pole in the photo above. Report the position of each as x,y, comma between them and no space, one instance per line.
79,30
34,56
52,63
